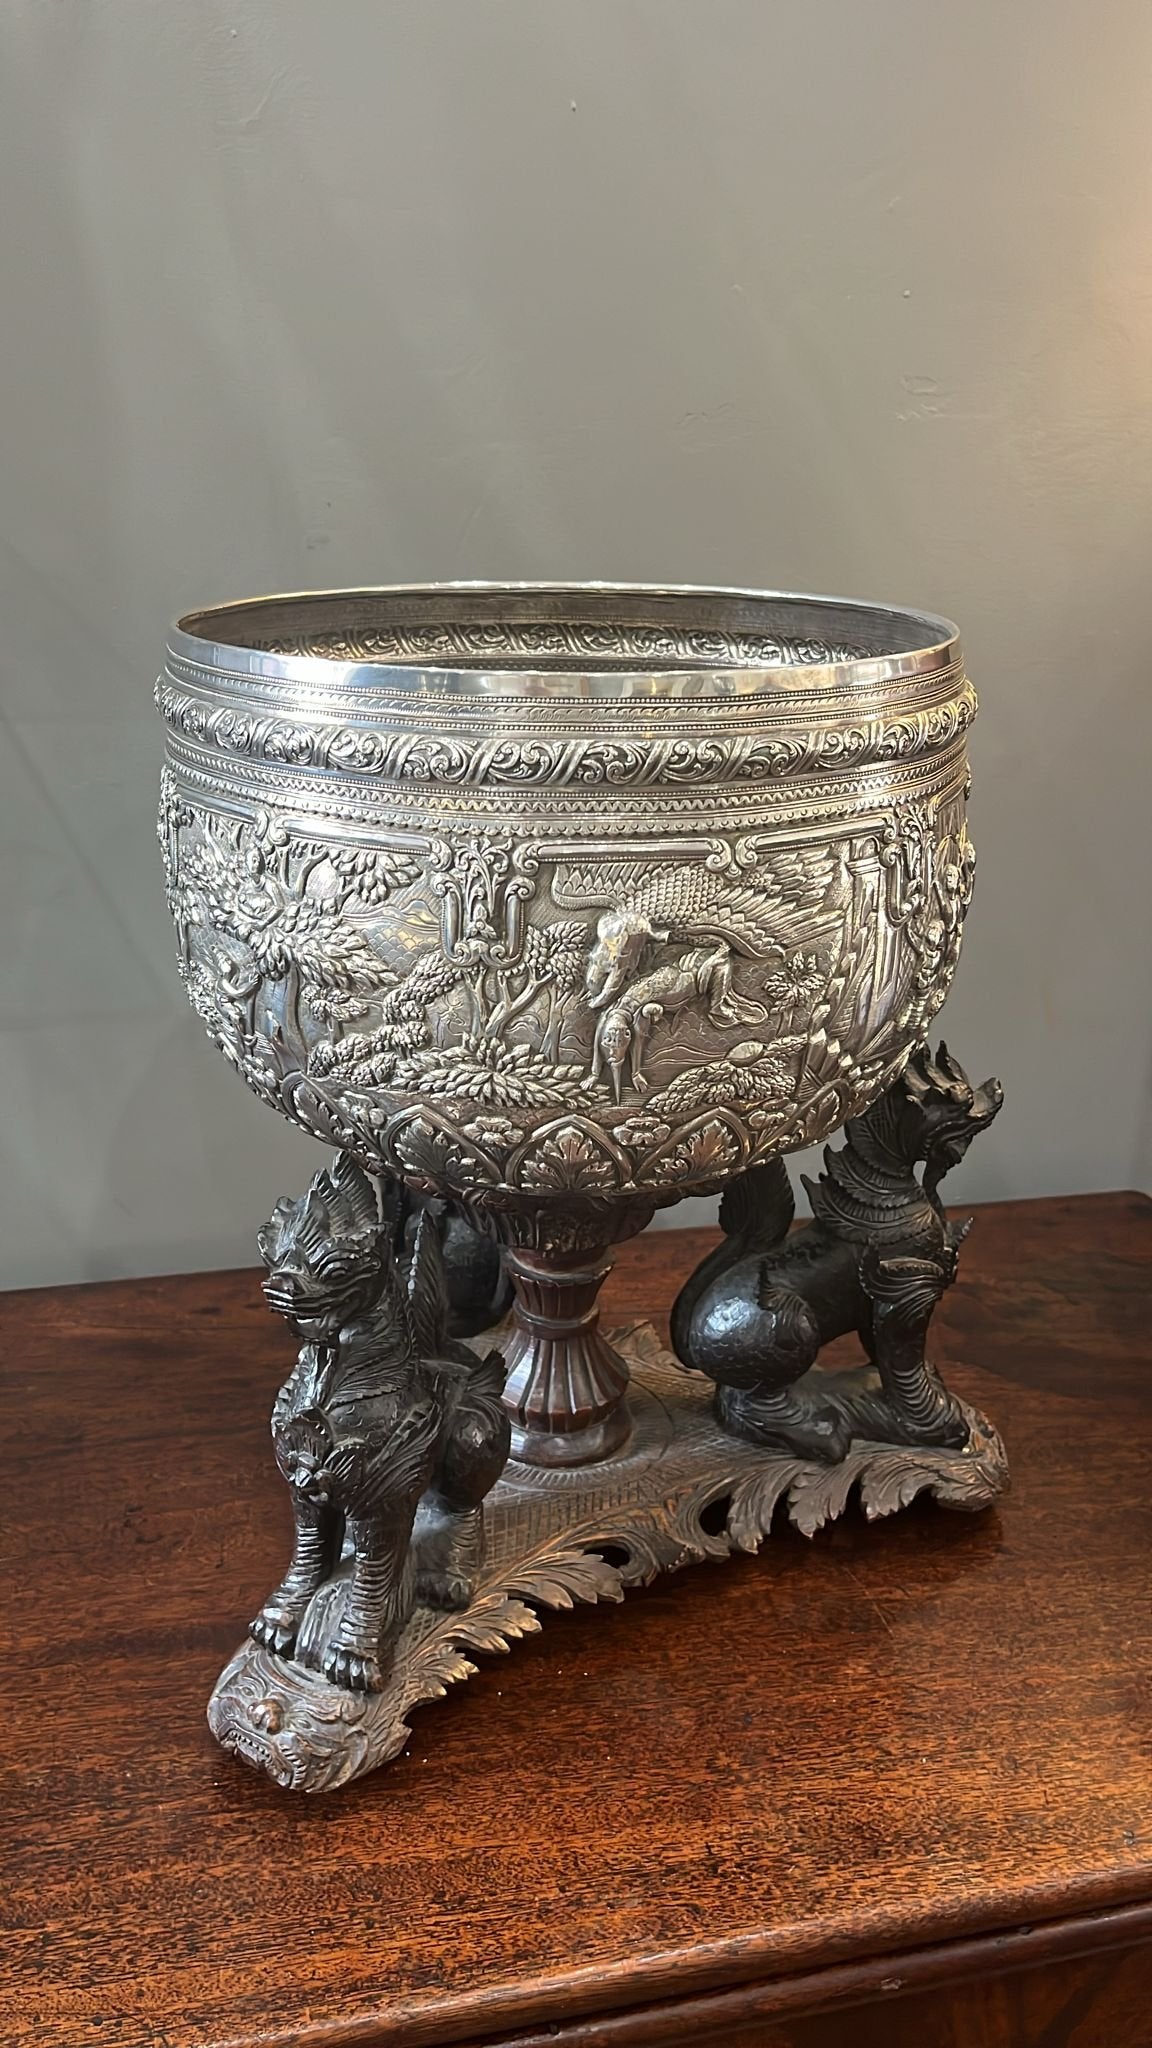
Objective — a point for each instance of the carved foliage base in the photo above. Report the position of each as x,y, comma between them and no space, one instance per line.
545,1532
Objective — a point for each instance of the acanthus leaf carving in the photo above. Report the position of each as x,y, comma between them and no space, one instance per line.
569,1158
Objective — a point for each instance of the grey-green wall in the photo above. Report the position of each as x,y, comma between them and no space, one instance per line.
803,293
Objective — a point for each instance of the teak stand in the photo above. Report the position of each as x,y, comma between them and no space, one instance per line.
419,1539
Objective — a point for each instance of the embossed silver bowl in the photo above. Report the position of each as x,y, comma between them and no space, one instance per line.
542,894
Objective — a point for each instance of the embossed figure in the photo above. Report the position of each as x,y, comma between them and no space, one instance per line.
628,992
703,976
385,1418
757,917
875,1259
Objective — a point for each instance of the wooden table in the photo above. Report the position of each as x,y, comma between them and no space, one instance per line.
903,1769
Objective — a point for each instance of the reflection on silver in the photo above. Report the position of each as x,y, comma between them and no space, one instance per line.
532,893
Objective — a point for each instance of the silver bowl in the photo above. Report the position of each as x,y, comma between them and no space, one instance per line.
528,893
565,901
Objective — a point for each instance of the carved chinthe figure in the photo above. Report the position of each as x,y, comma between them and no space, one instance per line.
875,1259
543,907
385,1416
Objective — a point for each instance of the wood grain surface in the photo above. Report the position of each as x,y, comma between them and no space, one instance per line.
786,1781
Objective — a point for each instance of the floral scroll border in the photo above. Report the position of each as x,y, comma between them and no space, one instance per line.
567,761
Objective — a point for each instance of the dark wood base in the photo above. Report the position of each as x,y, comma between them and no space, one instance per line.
563,1450
684,1490
889,1788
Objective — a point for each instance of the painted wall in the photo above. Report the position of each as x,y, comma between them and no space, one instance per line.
804,294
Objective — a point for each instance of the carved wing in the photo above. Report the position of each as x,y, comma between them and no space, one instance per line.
427,1289
759,1207
791,900
380,1467
605,885
907,1288
353,1188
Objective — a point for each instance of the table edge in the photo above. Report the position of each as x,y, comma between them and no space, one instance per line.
632,2005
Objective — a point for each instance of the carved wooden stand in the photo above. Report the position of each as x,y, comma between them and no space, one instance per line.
683,1491
566,1382
625,1463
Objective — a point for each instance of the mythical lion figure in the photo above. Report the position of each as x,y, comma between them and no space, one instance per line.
875,1259
389,1431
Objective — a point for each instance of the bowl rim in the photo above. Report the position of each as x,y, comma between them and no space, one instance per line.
192,640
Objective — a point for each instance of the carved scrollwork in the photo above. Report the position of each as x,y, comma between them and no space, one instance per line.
587,761
470,643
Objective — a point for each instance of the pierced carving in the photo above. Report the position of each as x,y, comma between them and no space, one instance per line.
684,1491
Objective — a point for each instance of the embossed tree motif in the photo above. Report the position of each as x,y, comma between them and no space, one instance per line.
549,973
369,1059
478,1069
371,875
793,986
754,1072
483,1070
255,926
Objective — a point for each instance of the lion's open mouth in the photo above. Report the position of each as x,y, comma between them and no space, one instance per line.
251,1750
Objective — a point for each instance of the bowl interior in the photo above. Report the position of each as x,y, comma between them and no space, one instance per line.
591,627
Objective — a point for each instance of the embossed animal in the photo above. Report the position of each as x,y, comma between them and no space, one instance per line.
386,1423
875,1259
622,1031
758,915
